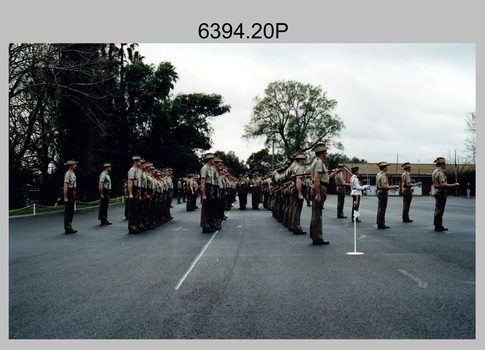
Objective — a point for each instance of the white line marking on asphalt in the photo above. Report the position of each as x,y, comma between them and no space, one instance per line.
362,236
194,262
421,284
239,226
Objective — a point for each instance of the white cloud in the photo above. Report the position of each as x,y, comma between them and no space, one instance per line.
406,99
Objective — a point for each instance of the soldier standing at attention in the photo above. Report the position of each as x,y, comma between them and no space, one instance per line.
407,193
321,178
179,190
190,205
242,191
340,182
440,185
134,194
104,194
256,186
207,187
297,195
382,195
69,190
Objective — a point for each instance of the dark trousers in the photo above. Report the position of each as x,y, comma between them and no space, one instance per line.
103,206
340,201
133,205
407,197
382,196
316,223
440,197
69,208
255,198
243,199
296,206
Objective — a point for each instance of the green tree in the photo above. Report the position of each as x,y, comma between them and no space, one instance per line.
232,162
297,116
260,161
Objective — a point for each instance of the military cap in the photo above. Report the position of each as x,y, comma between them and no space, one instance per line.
340,165
105,165
143,160
382,164
217,160
148,164
440,160
406,165
354,169
136,158
319,147
70,162
209,156
301,156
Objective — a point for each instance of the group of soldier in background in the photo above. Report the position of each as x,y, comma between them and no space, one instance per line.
149,192
218,192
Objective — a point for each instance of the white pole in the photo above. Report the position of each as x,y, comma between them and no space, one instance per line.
34,208
355,252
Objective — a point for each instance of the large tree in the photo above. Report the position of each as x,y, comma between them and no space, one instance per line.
470,141
97,103
295,116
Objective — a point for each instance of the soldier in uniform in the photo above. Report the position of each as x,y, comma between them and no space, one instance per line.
256,187
320,177
440,186
407,193
297,195
382,194
340,182
69,190
179,190
104,187
208,190
242,187
134,194
189,205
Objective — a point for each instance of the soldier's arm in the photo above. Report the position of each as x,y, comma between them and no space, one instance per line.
298,187
202,188
130,188
65,192
317,186
100,187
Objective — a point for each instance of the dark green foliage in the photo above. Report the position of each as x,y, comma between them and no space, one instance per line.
97,103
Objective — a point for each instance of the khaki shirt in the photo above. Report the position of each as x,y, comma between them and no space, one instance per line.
438,176
256,182
300,169
134,175
207,174
381,179
143,179
106,180
339,178
319,167
405,179
70,179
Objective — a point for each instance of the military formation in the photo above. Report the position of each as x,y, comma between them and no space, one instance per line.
149,192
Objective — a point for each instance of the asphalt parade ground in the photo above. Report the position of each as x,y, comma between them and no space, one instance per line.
253,279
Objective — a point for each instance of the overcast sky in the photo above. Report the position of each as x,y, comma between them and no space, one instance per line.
409,100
